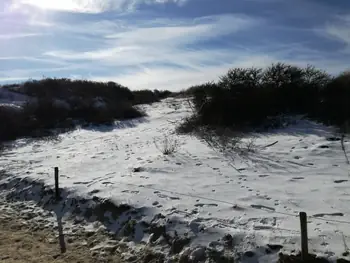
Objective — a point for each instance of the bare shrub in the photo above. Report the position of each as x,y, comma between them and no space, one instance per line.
220,138
226,140
167,145
250,145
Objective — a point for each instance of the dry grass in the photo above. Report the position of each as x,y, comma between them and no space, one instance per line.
20,244
167,145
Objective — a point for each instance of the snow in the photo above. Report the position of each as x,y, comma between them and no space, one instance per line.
254,197
11,98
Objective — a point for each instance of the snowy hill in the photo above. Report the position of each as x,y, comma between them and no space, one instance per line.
202,194
12,99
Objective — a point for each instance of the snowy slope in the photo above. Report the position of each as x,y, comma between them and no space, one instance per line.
256,197
12,99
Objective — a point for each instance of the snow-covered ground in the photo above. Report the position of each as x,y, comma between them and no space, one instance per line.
203,194
12,99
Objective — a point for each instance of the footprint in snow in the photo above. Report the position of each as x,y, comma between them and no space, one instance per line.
263,175
263,207
167,196
340,181
81,182
207,205
323,146
333,139
328,214
130,192
262,227
324,243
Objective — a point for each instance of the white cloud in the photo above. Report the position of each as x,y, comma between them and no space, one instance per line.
86,6
12,79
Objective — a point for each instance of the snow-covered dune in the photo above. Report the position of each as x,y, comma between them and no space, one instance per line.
254,197
11,98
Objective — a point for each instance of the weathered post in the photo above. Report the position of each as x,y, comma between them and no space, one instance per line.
57,189
304,238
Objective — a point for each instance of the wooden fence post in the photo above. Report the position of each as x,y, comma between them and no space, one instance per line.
304,238
57,189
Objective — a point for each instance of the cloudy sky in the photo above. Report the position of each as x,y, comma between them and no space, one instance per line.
167,44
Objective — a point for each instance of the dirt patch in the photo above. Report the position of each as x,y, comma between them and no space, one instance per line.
20,243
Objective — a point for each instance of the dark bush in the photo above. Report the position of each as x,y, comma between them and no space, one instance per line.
50,88
65,103
144,97
162,94
149,96
335,101
252,98
12,123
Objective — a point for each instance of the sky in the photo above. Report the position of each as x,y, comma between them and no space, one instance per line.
168,44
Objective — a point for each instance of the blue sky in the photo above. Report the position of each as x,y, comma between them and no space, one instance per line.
168,44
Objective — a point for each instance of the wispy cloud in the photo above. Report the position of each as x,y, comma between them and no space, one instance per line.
168,44
340,29
18,35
